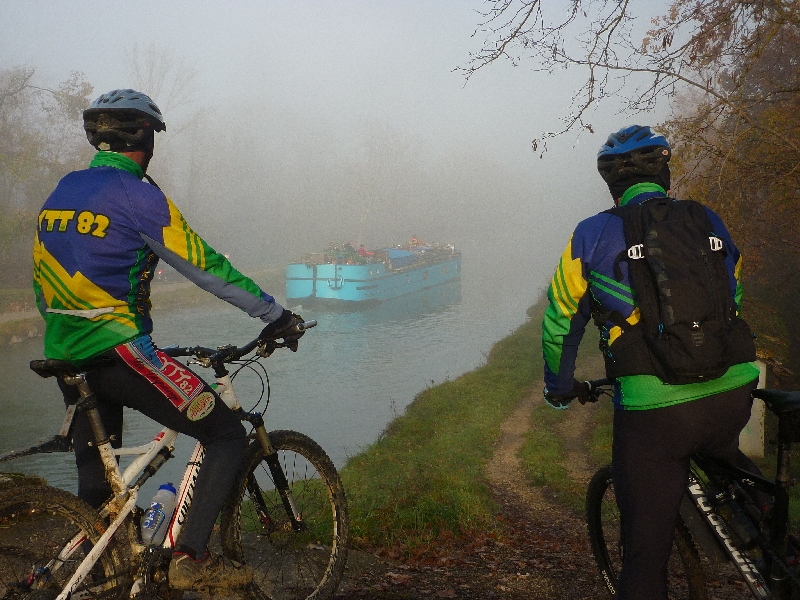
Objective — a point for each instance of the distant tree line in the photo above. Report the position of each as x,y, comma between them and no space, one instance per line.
41,139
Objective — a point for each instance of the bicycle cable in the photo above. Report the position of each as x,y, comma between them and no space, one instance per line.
263,376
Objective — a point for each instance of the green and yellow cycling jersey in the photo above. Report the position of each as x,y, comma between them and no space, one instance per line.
100,235
586,276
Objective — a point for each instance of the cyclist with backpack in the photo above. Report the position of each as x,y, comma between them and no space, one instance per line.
100,235
661,280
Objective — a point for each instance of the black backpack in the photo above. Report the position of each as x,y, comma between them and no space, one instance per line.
688,329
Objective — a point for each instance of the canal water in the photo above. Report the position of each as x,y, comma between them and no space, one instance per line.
352,375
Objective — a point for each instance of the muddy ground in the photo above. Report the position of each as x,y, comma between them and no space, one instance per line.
545,553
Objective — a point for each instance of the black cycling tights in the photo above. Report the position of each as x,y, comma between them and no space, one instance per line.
651,469
211,422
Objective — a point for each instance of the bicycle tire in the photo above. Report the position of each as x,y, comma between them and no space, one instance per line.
36,523
289,565
686,577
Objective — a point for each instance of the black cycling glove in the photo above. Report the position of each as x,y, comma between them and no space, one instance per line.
284,327
580,390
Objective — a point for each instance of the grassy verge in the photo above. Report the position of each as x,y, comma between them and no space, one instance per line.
21,328
543,452
19,301
599,446
183,293
425,478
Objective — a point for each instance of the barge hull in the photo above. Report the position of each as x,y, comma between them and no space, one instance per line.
343,284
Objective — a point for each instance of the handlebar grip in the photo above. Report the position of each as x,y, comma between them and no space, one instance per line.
594,384
595,388
174,351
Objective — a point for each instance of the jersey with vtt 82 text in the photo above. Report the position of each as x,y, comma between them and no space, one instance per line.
99,237
586,275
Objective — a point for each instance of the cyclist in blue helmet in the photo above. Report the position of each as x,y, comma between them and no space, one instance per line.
656,426
100,236
634,155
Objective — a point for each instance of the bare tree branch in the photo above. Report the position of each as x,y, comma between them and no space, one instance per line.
713,34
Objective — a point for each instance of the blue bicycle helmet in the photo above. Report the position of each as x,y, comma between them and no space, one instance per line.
122,120
632,152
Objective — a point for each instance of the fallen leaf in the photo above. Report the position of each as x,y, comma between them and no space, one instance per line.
398,578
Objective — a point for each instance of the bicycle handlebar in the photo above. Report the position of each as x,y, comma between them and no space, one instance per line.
229,353
598,386
594,389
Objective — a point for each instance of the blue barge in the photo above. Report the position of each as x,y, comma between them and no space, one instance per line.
352,279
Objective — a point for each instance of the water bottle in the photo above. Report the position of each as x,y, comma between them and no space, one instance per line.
157,518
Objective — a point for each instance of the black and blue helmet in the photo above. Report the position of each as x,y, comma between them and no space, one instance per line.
122,120
632,152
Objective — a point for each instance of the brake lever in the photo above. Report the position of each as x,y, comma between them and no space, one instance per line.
594,393
266,349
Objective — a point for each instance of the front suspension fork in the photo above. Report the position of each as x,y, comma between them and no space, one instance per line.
278,476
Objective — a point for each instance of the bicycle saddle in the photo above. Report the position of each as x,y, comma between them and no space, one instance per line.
778,401
52,367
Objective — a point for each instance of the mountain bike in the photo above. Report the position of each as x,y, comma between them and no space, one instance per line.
723,517
286,515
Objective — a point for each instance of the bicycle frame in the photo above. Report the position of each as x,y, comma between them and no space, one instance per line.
124,488
778,489
749,571
150,457
775,578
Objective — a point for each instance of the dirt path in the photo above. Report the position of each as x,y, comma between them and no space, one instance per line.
546,552
545,555
555,536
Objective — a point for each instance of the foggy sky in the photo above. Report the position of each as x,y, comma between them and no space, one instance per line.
340,120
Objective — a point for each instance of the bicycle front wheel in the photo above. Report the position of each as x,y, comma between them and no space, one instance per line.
291,561
685,573
44,535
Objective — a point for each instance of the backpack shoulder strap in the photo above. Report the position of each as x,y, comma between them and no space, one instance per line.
634,235
698,213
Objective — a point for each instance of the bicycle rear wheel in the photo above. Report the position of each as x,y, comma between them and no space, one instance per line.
686,579
256,529
44,534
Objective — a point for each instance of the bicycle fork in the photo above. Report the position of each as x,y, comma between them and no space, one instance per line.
278,476
225,391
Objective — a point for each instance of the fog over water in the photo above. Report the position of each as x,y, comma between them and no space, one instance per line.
294,124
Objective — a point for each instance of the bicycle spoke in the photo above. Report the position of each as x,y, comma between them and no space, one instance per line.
44,536
291,563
